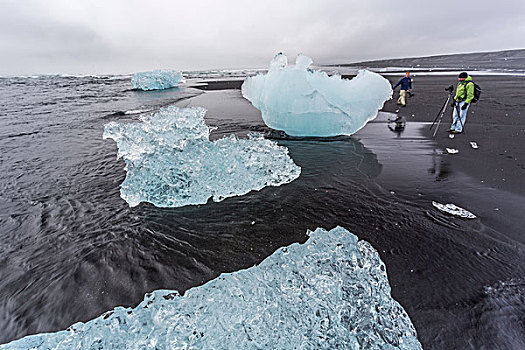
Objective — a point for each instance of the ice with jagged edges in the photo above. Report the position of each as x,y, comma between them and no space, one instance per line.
156,80
331,292
305,102
454,210
171,162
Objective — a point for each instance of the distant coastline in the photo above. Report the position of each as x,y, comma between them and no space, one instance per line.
498,60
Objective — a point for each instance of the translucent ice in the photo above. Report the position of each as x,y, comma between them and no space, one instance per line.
171,162
306,102
156,80
330,293
454,210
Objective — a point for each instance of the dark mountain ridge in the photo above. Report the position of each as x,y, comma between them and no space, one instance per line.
500,60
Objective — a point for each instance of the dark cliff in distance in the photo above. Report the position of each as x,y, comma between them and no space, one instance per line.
500,60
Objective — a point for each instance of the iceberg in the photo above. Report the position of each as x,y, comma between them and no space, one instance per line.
170,161
331,292
305,102
156,80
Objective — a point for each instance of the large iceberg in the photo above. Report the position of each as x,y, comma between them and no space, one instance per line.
156,80
330,293
305,102
171,162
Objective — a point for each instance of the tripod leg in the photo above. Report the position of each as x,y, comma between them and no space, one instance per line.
440,111
458,111
439,122
437,127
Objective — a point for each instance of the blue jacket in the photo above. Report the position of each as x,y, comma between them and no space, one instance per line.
406,84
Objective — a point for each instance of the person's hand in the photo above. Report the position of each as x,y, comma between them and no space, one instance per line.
453,104
464,106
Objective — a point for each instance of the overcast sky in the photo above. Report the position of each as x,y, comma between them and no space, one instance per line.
125,36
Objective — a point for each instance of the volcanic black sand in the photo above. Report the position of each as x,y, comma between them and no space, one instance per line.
496,123
461,282
71,248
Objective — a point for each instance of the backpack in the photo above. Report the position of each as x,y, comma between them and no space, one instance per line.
477,91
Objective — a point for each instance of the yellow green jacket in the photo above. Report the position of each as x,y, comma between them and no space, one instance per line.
465,91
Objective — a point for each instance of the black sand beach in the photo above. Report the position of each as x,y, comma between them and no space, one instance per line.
496,123
72,249
461,282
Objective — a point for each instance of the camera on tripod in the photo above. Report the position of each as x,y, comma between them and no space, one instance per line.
441,112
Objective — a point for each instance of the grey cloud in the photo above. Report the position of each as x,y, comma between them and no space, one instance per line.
125,36
44,37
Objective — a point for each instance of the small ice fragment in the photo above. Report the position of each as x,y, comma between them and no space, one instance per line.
156,80
253,222
452,151
305,102
451,136
474,145
454,210
136,111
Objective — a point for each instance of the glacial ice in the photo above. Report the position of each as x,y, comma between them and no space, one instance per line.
305,102
331,292
454,210
171,162
156,80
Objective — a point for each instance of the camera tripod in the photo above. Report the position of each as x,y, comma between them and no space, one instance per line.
441,112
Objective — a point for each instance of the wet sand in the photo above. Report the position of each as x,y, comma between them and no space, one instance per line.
446,272
461,281
496,123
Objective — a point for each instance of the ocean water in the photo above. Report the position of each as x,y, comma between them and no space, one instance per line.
71,248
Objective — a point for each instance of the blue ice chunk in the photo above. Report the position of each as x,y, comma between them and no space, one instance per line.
156,80
171,162
331,292
305,102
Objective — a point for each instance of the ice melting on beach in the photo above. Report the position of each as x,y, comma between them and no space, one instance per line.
330,293
156,80
171,162
454,210
305,102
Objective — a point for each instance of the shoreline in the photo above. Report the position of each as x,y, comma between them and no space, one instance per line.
438,265
379,184
496,123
